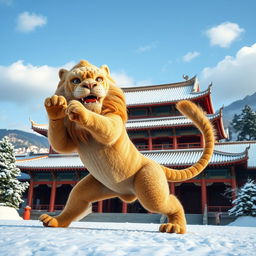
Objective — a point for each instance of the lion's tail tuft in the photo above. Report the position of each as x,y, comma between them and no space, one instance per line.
196,114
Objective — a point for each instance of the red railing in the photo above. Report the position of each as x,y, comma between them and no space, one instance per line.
142,147
188,145
162,146
46,207
168,146
41,207
59,207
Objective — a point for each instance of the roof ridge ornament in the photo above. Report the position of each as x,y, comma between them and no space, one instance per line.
185,77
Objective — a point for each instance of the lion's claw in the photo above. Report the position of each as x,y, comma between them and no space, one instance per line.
171,228
56,107
48,221
76,111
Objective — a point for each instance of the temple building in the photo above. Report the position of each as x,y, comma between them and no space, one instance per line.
161,133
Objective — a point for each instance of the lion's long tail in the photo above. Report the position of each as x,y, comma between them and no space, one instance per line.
193,112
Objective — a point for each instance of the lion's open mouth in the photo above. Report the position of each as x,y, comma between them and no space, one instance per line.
89,99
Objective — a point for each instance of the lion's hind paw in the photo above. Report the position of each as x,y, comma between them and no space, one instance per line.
172,228
48,221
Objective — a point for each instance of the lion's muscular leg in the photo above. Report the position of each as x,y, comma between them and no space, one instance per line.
152,190
86,191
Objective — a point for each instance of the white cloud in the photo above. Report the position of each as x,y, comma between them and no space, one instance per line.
123,80
24,87
28,22
234,77
23,83
190,56
224,34
146,48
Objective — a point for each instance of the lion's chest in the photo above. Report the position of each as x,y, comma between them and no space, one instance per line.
107,166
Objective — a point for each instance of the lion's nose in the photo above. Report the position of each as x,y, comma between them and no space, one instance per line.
89,85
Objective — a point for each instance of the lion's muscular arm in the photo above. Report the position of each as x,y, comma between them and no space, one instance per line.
105,129
59,138
56,109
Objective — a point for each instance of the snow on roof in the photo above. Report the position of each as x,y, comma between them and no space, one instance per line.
49,161
23,176
162,95
238,146
151,122
166,157
190,156
163,121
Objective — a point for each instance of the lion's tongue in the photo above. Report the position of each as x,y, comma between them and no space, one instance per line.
90,100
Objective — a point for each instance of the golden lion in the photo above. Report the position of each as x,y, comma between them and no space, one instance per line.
87,114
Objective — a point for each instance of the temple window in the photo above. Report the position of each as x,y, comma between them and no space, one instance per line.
137,112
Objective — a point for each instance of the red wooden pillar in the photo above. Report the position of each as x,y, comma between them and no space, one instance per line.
175,143
203,194
233,183
124,207
150,145
100,206
202,142
53,195
30,193
172,188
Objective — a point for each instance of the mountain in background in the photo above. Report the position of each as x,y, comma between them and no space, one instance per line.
25,142
236,108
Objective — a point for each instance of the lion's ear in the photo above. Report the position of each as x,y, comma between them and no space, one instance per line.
62,72
105,68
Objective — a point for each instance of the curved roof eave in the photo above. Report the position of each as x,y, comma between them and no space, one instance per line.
192,95
182,157
191,81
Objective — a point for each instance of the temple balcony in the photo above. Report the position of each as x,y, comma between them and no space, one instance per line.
168,146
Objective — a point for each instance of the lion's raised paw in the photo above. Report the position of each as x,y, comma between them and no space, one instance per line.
48,221
172,228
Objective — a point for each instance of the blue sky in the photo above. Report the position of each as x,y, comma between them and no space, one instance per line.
143,43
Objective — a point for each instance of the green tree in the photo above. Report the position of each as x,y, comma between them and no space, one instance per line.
11,188
245,124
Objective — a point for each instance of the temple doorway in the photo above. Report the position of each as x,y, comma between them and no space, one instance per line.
190,196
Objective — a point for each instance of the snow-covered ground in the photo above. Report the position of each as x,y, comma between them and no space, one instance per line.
9,213
244,221
23,238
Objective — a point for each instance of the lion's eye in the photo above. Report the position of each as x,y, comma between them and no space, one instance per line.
76,81
99,79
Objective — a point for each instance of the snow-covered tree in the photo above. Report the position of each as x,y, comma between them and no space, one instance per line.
245,203
11,188
245,124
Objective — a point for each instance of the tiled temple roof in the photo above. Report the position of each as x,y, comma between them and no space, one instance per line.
182,157
164,93
170,121
238,146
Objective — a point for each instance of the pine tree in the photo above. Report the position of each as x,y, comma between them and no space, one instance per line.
245,203
11,188
245,124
